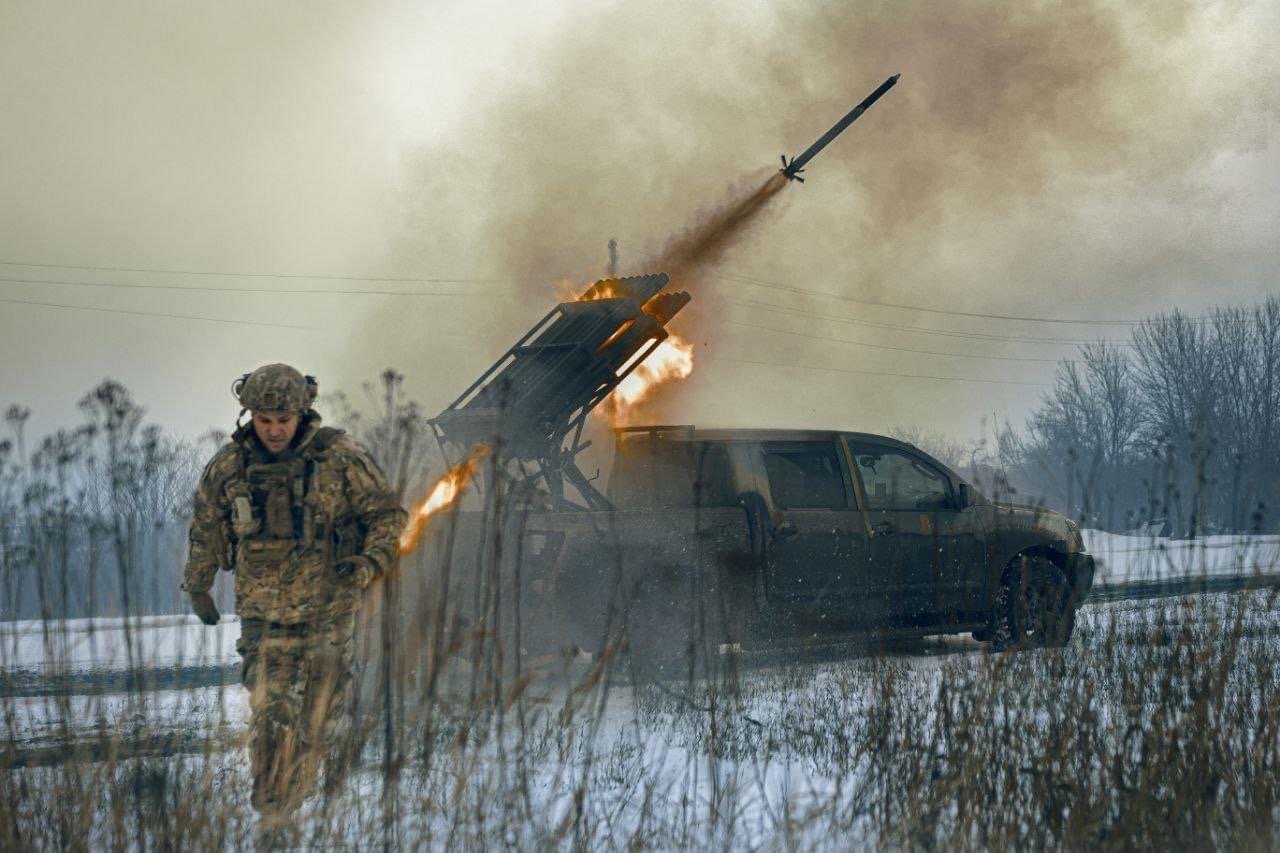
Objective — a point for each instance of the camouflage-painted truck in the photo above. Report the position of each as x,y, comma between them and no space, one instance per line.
710,539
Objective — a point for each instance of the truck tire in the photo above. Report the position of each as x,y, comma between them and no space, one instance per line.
1032,605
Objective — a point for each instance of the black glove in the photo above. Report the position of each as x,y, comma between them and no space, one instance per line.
357,571
202,604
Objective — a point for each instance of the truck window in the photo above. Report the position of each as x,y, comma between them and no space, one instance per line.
663,474
805,474
895,480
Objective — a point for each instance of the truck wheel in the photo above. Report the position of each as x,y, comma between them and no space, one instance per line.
1032,605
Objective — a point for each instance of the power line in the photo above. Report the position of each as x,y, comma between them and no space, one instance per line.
886,373
760,282
889,347
112,284
923,330
154,314
258,274
900,306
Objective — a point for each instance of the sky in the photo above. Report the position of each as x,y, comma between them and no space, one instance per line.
238,183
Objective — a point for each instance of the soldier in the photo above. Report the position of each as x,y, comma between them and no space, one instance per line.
304,517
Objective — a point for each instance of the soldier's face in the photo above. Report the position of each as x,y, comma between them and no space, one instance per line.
275,429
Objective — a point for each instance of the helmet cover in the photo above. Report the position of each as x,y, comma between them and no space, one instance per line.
276,388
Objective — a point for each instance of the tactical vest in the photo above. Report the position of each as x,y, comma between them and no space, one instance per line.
291,524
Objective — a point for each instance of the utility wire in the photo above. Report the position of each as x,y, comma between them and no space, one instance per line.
904,307
112,284
154,314
889,347
886,373
774,285
257,274
923,330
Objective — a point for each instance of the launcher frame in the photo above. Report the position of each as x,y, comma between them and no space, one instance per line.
532,404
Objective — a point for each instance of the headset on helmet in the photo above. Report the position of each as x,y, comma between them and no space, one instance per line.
276,387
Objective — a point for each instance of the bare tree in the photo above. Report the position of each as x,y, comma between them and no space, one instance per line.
1182,425
944,448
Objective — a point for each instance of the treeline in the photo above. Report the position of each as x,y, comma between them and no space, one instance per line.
1176,431
94,517
94,520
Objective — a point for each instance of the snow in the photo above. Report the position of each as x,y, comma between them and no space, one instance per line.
774,758
36,720
113,644
1125,558
182,641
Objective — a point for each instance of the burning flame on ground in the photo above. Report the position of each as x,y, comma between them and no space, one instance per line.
671,361
443,495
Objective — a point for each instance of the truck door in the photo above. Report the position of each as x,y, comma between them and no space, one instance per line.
919,542
817,556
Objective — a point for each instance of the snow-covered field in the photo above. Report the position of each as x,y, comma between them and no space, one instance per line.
38,721
1126,559
105,644
825,755
182,641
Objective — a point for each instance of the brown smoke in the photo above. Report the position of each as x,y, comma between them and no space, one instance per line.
1034,159
705,243
653,392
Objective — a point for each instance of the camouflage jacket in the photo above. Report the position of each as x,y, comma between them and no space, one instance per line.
282,522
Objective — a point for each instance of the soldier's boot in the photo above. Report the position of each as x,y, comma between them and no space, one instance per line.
337,765
279,779
274,835
272,795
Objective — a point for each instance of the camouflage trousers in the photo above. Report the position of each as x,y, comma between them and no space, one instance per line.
300,684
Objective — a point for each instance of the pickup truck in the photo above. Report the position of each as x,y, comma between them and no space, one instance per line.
733,538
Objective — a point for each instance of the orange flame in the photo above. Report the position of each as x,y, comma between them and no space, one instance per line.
604,289
568,290
443,494
617,333
671,361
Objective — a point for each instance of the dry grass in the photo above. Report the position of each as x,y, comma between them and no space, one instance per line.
1158,726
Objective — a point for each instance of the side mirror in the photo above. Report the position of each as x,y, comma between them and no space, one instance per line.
964,495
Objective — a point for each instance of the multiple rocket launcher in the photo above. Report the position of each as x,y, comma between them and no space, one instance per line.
535,399
537,396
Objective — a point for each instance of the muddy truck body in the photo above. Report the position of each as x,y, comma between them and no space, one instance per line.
708,540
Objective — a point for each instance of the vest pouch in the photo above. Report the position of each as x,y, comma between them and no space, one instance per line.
266,555
277,490
243,521
279,513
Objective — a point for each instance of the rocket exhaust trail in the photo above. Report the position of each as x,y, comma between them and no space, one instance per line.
704,244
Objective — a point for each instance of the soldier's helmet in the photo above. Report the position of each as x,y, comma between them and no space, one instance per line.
276,388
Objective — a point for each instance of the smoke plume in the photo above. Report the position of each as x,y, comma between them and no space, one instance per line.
1034,159
705,243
